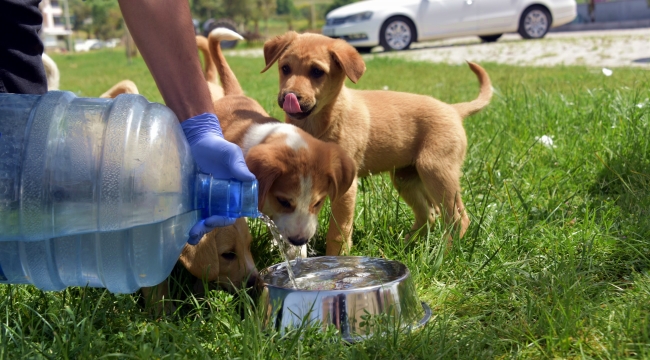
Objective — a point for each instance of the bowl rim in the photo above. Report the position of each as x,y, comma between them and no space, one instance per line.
401,278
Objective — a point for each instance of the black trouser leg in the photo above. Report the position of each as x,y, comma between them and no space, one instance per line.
21,49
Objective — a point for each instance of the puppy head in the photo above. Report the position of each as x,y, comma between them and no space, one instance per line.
223,256
294,181
312,70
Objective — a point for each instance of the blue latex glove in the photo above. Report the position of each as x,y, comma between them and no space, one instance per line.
214,155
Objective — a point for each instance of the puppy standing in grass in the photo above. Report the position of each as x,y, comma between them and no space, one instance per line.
418,139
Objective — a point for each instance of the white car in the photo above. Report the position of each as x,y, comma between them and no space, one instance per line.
396,24
87,45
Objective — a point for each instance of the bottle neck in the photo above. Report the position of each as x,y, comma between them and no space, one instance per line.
228,198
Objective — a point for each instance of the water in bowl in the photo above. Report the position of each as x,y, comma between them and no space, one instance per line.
335,273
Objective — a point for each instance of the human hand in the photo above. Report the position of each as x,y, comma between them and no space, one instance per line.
214,155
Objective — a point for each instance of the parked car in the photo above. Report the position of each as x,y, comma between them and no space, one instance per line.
395,25
87,45
112,43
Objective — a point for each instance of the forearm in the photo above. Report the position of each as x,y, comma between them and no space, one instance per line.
163,32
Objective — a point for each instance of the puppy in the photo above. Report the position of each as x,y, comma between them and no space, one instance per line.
418,139
296,172
222,256
122,87
216,91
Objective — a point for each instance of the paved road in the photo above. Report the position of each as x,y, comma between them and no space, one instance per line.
607,48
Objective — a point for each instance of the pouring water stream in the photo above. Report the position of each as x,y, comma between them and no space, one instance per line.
279,239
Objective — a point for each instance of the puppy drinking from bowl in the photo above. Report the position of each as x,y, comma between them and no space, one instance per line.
296,171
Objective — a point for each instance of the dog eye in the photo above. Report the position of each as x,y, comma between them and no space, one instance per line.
284,203
286,70
316,73
229,256
318,203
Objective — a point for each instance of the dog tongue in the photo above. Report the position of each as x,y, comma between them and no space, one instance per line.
291,104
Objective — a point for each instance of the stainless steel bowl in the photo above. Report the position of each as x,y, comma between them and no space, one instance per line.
341,291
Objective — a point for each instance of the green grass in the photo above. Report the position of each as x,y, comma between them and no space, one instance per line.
554,265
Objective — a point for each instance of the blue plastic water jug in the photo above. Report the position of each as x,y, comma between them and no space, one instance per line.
100,192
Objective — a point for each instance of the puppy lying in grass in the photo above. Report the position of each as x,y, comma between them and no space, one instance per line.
419,140
221,257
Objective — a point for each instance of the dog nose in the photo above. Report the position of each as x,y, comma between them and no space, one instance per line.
297,240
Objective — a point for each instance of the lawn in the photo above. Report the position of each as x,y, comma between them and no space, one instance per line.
554,265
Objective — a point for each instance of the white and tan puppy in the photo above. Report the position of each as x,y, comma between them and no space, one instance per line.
296,171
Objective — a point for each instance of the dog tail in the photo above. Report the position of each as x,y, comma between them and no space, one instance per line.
51,73
229,81
485,94
122,87
210,69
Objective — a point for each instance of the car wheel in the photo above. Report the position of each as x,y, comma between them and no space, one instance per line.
364,49
224,23
397,33
490,38
534,23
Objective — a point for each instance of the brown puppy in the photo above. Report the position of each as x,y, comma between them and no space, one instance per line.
295,171
222,256
122,87
211,76
417,138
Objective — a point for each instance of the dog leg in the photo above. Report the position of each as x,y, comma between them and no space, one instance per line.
443,185
410,187
339,234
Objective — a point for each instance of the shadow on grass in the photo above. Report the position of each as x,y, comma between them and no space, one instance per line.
624,182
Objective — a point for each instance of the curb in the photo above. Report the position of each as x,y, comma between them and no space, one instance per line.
610,25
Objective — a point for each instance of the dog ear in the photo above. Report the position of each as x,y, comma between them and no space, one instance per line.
343,170
265,167
349,60
202,259
273,48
